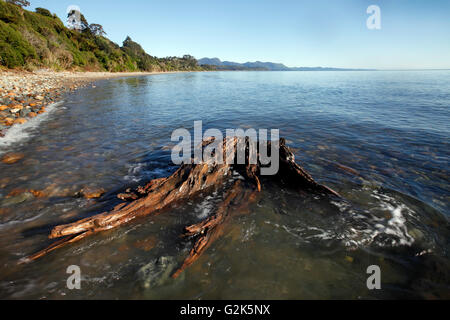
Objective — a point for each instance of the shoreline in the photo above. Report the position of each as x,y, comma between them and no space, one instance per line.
26,95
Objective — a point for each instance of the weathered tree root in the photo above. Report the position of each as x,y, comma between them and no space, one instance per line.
212,228
188,181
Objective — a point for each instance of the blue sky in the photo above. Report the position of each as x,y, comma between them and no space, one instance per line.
414,33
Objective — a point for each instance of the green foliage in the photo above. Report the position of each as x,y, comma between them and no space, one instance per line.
44,12
14,49
39,39
134,50
97,29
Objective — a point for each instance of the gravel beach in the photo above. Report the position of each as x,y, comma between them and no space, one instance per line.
25,95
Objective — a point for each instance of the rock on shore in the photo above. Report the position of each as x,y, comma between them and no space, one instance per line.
25,95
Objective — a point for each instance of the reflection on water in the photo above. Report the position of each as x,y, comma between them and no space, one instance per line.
381,139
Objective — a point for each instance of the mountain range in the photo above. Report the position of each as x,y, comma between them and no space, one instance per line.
266,66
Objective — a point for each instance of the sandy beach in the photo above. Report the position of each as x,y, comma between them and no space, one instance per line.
25,95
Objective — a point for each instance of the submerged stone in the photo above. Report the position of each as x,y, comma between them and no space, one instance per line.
12,158
90,193
17,199
157,272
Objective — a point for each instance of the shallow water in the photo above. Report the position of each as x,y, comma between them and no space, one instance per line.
391,128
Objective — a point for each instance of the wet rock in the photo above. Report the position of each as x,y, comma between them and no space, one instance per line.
4,211
38,193
4,182
42,148
157,272
147,244
416,234
349,259
20,121
12,158
15,193
9,121
308,266
347,169
24,112
17,199
90,193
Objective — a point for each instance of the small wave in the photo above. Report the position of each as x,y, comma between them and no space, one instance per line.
11,223
20,133
141,171
357,228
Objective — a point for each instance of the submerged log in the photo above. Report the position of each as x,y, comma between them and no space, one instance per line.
187,182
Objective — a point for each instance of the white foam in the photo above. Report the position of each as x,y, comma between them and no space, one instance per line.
20,133
134,172
16,222
205,208
140,171
361,229
396,226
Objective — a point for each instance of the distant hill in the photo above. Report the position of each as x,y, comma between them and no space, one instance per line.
266,66
229,65
39,39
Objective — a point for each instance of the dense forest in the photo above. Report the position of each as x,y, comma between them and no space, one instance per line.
33,40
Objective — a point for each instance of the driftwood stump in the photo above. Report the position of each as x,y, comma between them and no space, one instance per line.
189,180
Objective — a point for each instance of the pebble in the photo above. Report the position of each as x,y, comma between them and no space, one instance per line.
157,272
349,259
146,244
20,121
89,193
12,158
9,121
24,112
17,199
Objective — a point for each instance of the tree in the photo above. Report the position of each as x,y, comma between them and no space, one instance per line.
44,12
144,61
97,29
21,3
